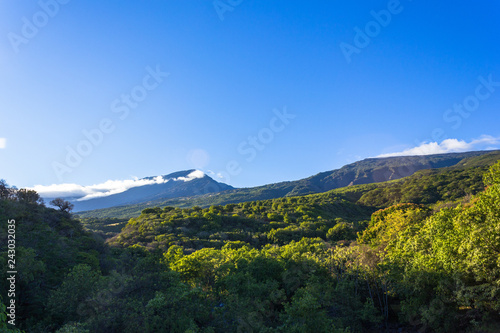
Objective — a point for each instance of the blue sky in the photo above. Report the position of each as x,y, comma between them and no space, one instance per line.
256,92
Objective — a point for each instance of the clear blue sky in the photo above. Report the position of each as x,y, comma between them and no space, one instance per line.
227,76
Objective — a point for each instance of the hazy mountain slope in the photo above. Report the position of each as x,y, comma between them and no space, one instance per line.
376,170
372,170
176,186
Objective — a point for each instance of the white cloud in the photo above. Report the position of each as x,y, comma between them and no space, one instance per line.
81,193
3,143
193,175
485,142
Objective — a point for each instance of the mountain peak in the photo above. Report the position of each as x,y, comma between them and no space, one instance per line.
112,193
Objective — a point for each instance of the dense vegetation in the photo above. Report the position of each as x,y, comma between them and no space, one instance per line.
341,261
277,221
48,244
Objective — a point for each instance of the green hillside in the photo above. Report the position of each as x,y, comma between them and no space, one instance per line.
48,244
255,223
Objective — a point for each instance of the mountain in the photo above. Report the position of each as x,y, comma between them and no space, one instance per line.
179,184
375,170
367,171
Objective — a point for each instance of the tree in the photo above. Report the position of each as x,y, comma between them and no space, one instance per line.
63,205
5,191
492,176
341,231
71,301
29,196
73,328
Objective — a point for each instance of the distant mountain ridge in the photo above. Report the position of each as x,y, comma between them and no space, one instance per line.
376,170
174,185
367,171
370,170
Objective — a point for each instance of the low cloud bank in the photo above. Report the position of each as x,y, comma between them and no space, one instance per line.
485,142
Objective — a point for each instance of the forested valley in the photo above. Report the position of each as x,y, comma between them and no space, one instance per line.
419,254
